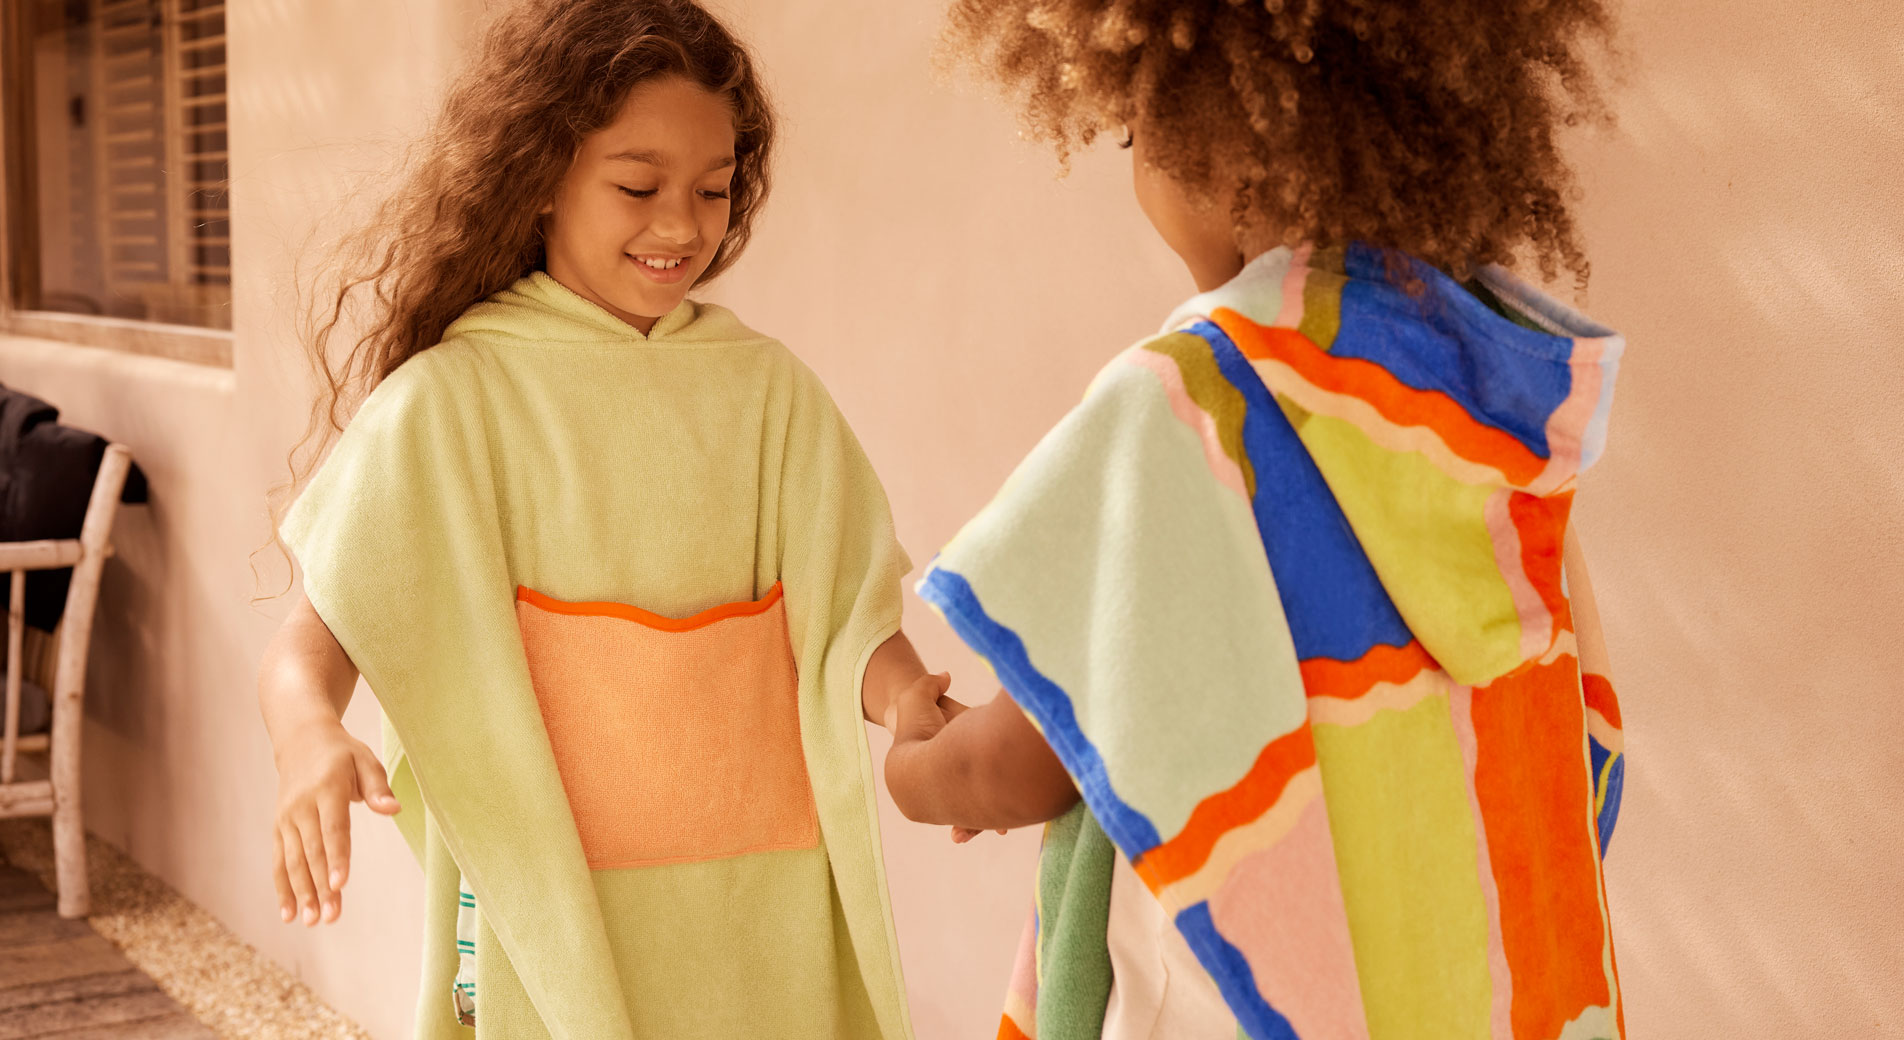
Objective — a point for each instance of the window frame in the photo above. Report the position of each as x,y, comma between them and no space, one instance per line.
18,233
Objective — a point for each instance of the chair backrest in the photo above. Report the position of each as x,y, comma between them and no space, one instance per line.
86,555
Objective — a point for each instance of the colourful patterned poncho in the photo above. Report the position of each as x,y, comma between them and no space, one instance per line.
1285,595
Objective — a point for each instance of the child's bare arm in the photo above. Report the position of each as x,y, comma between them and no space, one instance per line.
892,668
304,683
991,768
985,769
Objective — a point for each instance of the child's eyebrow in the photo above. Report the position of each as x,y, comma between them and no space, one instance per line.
657,159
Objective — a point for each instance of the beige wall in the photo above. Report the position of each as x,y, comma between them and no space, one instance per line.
178,770
1748,526
957,298
1746,226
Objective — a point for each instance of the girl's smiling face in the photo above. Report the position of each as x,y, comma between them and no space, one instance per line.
644,206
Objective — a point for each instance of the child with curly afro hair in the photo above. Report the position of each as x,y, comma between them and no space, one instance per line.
1301,667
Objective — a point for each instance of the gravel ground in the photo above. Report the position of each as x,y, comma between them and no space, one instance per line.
230,986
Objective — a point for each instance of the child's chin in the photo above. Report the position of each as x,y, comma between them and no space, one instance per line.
652,304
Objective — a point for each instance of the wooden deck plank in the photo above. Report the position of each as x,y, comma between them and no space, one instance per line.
27,902
176,1026
59,980
84,988
13,879
32,929
57,961
64,1017
21,891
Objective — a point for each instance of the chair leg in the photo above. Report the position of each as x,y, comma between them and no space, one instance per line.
69,683
69,828
69,855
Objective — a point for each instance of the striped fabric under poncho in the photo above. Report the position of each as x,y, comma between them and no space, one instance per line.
1285,595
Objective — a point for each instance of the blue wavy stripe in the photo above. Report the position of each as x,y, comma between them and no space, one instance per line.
1233,976
1046,701
1615,782
1503,375
1335,603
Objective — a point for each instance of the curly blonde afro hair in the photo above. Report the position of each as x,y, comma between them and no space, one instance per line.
1424,126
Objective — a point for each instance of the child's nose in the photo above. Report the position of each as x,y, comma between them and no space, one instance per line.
673,221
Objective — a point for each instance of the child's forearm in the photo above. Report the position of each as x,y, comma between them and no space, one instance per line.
893,667
305,677
304,683
988,769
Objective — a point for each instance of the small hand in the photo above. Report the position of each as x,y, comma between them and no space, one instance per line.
320,773
922,709
913,719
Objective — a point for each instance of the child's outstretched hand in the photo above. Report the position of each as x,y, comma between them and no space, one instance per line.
321,770
918,714
920,710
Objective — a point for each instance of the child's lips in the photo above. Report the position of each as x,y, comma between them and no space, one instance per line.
662,275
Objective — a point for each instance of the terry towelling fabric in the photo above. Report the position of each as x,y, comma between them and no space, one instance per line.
1285,594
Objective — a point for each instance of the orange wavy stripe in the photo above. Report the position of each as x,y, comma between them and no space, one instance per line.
1224,811
625,612
1399,403
1598,690
1327,677
1538,814
1008,1030
1542,523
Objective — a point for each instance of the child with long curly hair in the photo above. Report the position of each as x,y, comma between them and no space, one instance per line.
1290,602
613,564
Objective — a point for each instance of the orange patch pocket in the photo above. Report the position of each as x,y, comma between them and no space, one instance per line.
677,740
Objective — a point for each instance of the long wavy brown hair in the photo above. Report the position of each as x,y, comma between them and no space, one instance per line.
464,223
1424,126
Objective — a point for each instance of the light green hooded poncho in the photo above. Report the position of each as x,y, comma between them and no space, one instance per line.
615,594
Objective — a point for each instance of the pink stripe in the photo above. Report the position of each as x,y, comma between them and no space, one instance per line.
1282,909
1537,625
1567,426
1461,709
1021,990
1609,735
1284,380
1024,976
1293,282
1192,415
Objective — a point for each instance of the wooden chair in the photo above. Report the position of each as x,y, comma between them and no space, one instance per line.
57,794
